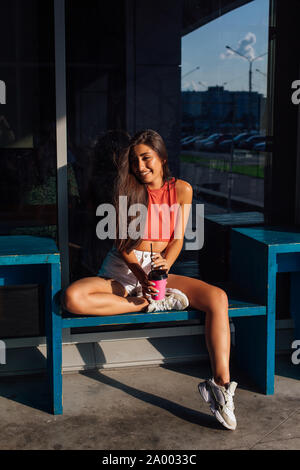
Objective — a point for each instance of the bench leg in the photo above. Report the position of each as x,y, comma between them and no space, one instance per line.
255,350
54,338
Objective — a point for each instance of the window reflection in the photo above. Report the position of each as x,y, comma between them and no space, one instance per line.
28,203
96,94
224,117
27,119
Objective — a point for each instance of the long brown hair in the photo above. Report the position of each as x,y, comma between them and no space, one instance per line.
128,185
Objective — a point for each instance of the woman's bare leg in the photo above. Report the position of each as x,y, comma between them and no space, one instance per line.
98,296
213,301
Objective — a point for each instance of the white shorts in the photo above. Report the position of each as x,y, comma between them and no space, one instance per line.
114,267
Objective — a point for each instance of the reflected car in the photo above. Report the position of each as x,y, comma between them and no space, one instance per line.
243,136
248,143
188,144
199,144
184,139
199,138
225,145
187,138
213,145
260,147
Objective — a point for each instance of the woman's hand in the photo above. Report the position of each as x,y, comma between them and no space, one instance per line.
160,263
147,287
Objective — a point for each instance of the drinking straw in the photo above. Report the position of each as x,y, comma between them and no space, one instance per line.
151,254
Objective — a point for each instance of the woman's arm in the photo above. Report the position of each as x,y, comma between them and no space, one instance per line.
184,192
133,264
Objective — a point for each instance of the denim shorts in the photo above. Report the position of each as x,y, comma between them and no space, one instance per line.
114,267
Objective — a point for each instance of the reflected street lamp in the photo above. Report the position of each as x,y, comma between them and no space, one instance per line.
262,73
191,71
250,63
200,83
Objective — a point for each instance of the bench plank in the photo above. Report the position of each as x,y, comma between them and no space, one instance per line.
25,249
237,308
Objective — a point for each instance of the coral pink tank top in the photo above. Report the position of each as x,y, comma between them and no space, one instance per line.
162,213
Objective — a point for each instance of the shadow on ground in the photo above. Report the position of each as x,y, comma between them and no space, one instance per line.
29,390
183,412
33,390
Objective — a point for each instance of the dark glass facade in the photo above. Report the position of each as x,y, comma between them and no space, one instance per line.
96,104
28,201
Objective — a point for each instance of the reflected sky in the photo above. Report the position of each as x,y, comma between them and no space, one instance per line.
244,29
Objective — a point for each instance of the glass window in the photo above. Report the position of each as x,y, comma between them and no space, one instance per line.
27,119
27,143
224,96
96,96
224,120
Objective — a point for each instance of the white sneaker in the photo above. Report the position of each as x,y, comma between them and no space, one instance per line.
173,300
221,401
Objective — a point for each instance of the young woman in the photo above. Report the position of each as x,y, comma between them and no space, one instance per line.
122,283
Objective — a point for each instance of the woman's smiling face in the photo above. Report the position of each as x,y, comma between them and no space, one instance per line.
147,165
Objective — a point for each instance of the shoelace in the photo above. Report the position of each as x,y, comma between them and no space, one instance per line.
164,303
229,400
160,304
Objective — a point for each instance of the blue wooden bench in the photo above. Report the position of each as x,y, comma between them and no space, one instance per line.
237,308
257,256
214,256
36,260
32,259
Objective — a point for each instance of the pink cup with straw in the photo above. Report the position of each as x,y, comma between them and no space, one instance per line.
159,278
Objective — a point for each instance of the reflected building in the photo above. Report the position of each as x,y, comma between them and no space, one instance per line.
217,109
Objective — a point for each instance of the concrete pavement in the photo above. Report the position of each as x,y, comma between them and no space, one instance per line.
148,408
